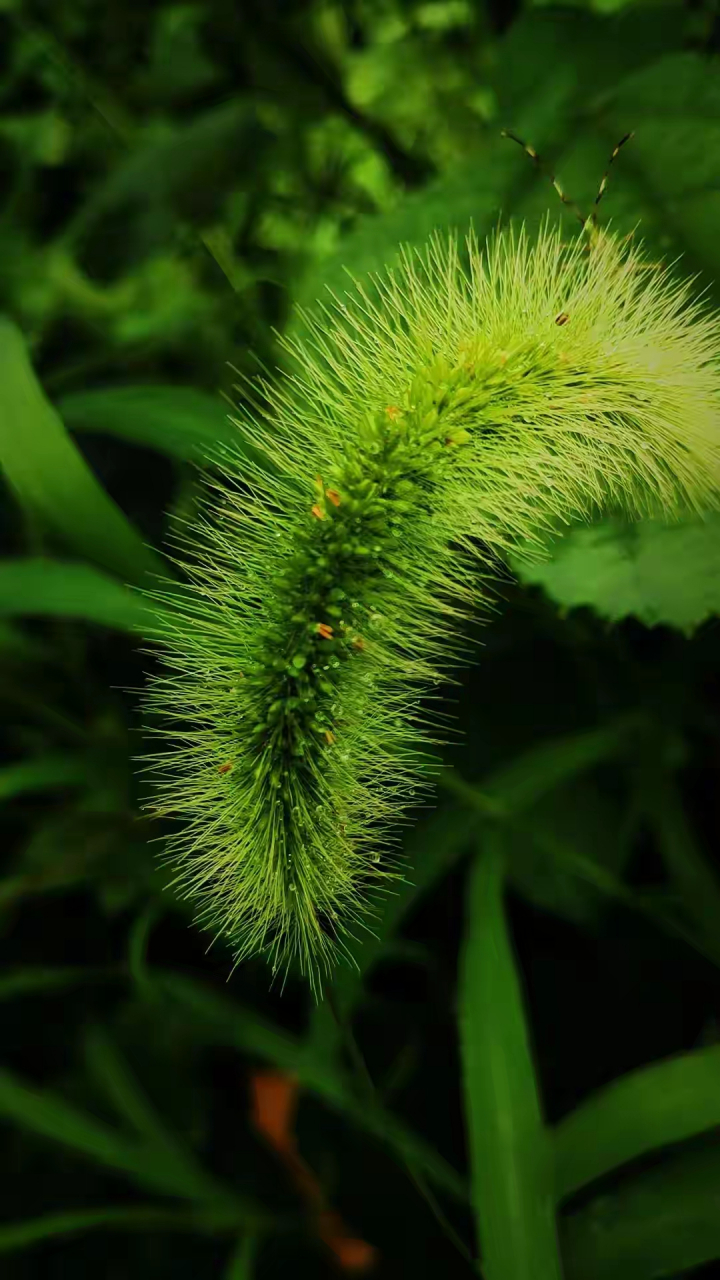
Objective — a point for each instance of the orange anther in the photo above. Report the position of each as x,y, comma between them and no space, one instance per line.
318,512
324,630
334,496
225,768
392,411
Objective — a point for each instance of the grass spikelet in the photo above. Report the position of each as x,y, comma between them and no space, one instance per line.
422,431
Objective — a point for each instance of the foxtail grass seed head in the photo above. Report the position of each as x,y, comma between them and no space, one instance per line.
464,405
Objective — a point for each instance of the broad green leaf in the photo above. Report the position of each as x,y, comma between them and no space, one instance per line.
43,772
224,1022
653,1107
660,1223
50,1116
50,476
140,1217
179,421
658,573
510,1151
65,589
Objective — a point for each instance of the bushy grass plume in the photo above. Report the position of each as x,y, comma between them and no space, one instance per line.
420,433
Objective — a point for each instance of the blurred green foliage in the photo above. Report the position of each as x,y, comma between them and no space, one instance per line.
538,1066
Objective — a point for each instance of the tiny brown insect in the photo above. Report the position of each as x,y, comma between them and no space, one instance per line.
562,318
225,768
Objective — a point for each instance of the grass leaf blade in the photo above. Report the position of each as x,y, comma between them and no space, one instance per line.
654,1107
512,1179
662,1223
150,1217
35,586
50,476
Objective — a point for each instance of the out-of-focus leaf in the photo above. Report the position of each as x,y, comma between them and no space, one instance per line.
662,1223
42,773
653,1107
16,646
689,871
471,196
568,863
224,1022
118,1084
659,573
180,421
514,787
535,72
436,846
57,588
632,78
174,173
50,476
673,104
140,1217
601,51
50,1116
510,1151
432,851
575,816
240,1266
21,982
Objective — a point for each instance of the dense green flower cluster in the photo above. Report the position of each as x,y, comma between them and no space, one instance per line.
424,430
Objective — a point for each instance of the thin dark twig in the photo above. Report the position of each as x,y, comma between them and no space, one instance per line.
417,1178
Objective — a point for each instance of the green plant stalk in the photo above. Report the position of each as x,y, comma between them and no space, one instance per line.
425,430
